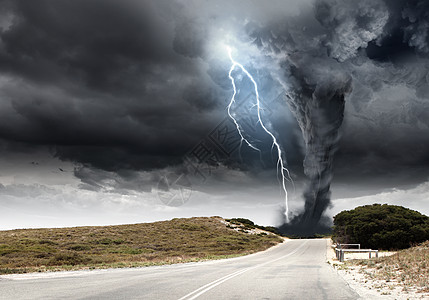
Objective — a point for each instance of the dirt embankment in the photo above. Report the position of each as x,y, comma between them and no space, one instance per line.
178,240
394,275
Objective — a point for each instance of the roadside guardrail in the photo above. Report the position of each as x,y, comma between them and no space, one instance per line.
340,251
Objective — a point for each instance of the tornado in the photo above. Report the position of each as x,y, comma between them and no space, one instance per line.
318,105
320,56
317,53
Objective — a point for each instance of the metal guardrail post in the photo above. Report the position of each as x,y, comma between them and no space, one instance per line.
340,252
348,245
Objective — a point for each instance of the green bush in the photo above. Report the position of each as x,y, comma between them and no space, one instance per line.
248,224
244,221
6,249
378,226
80,247
270,229
70,259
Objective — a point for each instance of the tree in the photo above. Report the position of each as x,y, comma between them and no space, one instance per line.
379,226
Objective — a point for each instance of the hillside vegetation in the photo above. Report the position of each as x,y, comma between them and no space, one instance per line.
408,268
178,240
246,224
384,226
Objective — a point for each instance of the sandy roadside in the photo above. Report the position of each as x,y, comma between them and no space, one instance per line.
359,279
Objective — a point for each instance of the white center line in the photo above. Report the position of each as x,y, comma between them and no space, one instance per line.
198,292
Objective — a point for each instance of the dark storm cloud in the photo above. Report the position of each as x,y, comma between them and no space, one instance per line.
133,85
382,46
369,54
113,86
387,126
96,42
100,82
122,182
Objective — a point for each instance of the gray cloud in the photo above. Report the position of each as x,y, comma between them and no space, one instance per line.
351,25
131,86
382,52
101,83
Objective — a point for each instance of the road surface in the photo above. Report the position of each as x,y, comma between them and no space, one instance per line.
296,269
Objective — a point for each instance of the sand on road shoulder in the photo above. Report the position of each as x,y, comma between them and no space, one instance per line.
360,279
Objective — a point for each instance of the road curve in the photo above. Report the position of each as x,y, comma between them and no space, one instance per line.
296,269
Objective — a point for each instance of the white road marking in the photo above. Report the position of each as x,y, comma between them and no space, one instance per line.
198,292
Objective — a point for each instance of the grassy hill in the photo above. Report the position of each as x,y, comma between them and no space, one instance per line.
408,268
178,240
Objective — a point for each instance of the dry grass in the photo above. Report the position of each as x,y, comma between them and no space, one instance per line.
178,240
408,268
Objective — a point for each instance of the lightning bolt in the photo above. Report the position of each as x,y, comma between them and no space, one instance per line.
284,172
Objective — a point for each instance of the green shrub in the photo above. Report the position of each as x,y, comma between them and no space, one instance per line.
118,241
70,259
192,227
381,227
269,228
47,242
6,249
133,251
80,247
248,224
244,221
104,241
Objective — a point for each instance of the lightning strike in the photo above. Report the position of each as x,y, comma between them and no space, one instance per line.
284,172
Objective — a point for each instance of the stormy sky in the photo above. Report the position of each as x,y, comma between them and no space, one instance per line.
115,111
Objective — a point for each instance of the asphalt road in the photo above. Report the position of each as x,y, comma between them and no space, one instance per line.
296,269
